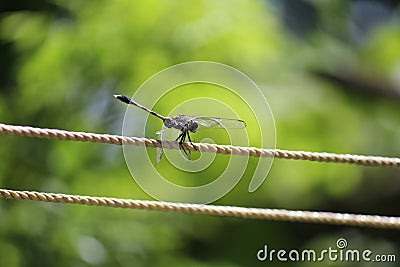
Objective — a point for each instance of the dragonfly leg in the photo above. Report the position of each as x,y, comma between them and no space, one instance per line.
190,140
180,136
183,149
183,138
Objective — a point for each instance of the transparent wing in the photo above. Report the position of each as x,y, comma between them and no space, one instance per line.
159,151
212,122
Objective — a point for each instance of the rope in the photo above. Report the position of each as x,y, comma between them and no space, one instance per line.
202,147
229,211
226,211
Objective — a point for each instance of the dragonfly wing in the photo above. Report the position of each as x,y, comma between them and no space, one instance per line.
212,122
159,150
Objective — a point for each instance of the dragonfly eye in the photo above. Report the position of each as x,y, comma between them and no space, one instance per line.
194,126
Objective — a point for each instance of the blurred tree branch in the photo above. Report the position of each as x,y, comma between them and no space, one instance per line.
359,83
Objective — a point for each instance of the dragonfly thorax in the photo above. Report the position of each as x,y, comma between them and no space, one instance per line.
182,123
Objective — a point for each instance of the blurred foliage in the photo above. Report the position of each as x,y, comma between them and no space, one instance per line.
329,69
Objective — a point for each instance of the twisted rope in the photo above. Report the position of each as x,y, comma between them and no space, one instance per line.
202,147
226,211
240,212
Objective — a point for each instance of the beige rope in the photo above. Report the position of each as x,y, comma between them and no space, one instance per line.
255,213
223,149
229,211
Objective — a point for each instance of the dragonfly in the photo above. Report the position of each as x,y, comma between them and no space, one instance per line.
186,123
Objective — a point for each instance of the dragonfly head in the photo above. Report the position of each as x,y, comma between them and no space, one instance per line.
192,126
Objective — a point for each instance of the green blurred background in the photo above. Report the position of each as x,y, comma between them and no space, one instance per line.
329,69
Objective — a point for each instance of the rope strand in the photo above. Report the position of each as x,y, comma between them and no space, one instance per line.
225,211
202,147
